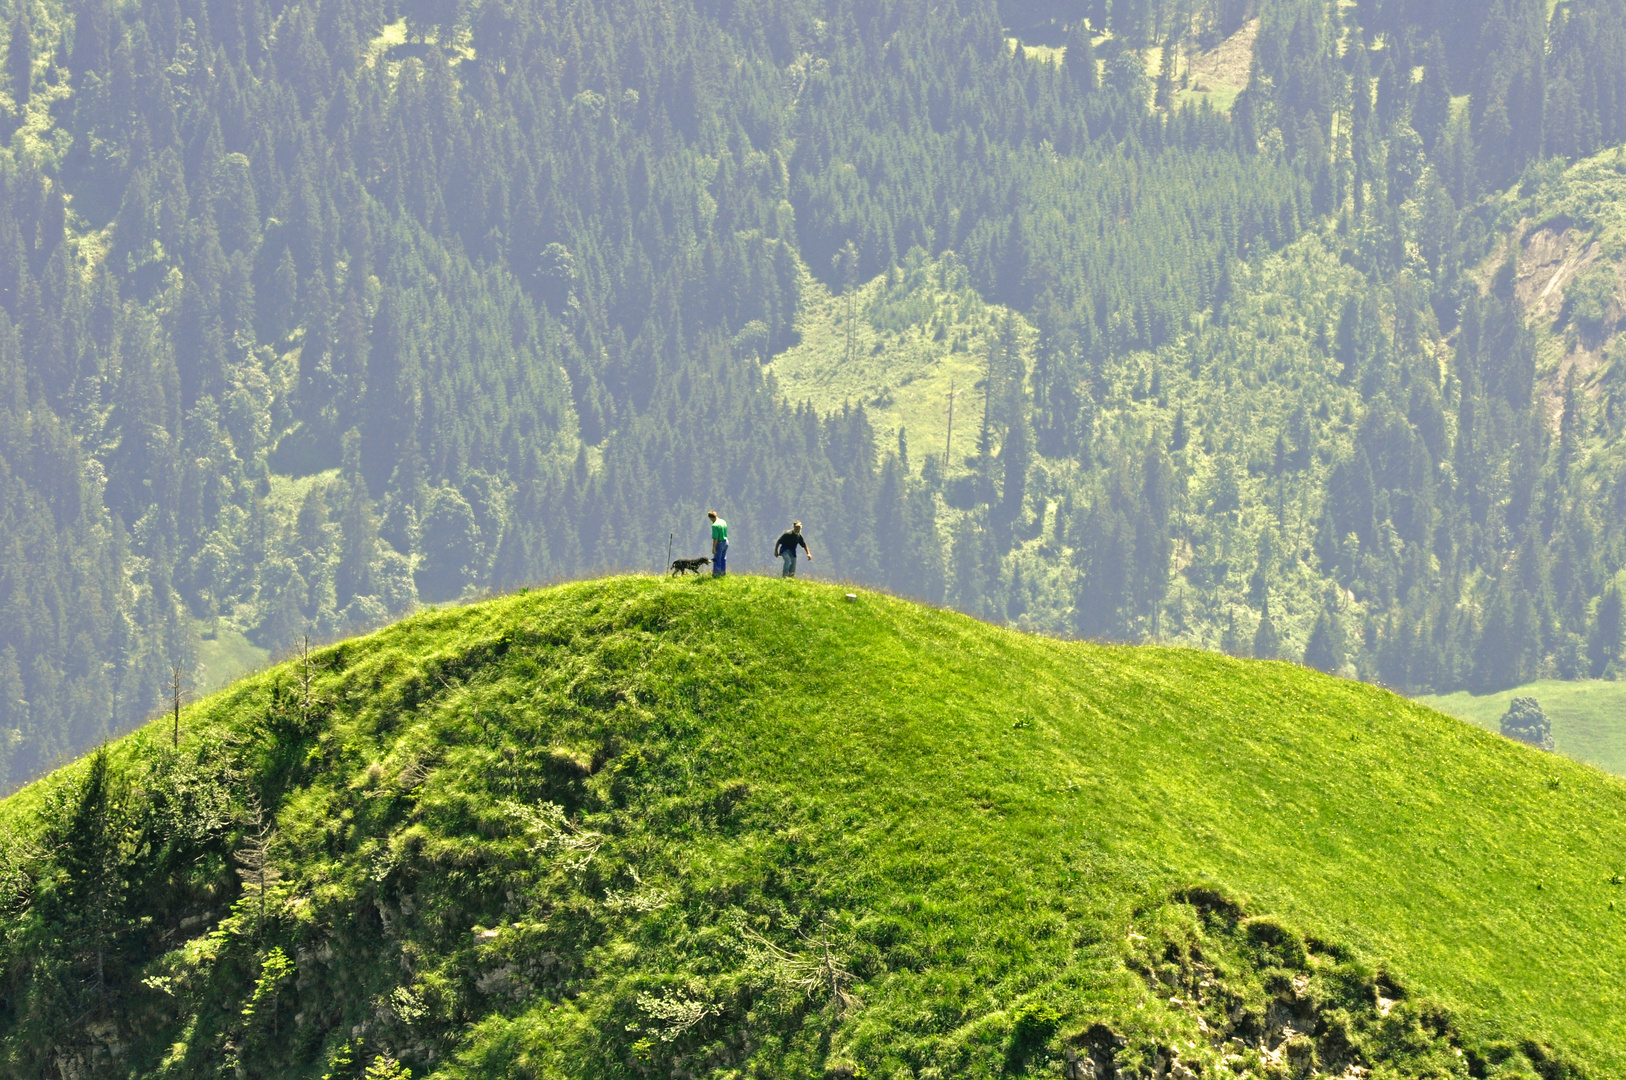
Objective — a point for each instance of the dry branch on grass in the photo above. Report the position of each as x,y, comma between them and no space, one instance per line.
675,1014
819,970
556,833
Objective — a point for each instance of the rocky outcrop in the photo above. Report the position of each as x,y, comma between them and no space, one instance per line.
1264,1001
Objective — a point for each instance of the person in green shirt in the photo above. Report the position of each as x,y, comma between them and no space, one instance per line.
719,544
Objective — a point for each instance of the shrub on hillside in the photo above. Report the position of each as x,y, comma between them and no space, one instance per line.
1590,299
1525,722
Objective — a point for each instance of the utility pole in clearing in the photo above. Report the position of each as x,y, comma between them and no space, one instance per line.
846,264
948,447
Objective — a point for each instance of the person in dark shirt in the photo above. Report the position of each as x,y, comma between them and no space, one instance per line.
786,546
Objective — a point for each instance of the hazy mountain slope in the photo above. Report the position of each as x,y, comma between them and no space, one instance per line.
490,287
465,265
1267,407
630,827
1261,409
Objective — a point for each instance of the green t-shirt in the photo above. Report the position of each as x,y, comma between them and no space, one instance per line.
719,530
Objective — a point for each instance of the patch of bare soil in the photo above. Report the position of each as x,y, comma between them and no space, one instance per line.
1551,259
1228,63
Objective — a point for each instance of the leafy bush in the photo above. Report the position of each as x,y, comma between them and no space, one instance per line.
1590,298
1525,722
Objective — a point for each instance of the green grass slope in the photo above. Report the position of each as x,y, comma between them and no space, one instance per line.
637,827
1588,716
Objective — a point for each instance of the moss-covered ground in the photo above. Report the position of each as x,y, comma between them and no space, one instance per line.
642,827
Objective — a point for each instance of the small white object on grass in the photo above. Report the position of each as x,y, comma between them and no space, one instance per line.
852,596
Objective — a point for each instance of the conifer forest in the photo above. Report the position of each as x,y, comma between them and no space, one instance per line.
1285,327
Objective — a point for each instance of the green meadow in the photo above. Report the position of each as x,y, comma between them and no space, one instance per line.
1588,716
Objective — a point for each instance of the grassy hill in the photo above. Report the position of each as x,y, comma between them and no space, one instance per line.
1588,716
636,827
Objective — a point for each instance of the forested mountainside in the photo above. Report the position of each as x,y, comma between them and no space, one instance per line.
316,312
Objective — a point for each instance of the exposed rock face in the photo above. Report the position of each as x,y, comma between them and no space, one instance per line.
1552,257
1525,722
1574,286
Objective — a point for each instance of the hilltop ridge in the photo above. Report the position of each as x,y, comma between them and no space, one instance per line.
641,827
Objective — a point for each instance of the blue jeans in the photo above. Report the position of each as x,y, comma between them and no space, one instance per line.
719,559
789,559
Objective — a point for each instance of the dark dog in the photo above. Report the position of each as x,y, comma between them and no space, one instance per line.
689,566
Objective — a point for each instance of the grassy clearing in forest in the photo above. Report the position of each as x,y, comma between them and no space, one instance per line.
915,331
1220,74
226,657
999,833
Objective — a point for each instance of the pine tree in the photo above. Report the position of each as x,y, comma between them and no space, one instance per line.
1569,426
1608,633
968,590
89,854
1079,60
1132,21
20,55
1267,643
1163,98
1154,546
1259,583
1232,641
1433,107
358,529
1015,457
256,866
1325,650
